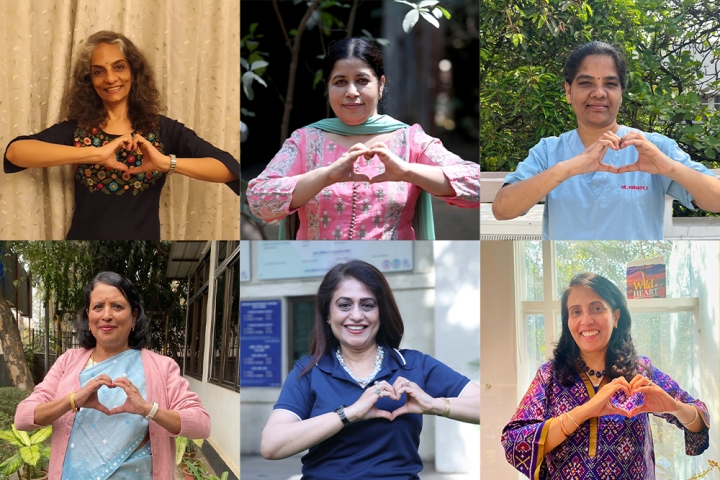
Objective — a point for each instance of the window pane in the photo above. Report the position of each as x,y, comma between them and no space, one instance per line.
232,335
303,318
535,325
216,370
221,252
533,271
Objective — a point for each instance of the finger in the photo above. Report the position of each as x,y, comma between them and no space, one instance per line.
604,167
400,411
100,408
632,167
360,177
124,408
143,168
378,145
379,178
383,414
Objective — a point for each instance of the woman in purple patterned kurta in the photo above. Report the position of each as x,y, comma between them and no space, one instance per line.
360,182
585,413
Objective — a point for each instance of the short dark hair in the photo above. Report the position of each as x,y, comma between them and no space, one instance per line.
575,58
620,358
139,336
391,327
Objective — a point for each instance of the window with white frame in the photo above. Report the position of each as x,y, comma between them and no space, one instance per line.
662,329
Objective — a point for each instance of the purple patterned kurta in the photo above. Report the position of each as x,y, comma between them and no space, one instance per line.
609,447
381,211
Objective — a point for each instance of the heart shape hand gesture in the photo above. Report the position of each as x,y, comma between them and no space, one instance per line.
417,401
343,169
638,396
650,158
87,396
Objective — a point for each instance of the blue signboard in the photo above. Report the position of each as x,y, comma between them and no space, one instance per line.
260,343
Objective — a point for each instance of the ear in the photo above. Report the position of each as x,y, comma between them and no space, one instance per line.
382,85
616,315
135,314
567,92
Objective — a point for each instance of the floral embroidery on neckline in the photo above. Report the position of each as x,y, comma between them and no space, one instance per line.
100,179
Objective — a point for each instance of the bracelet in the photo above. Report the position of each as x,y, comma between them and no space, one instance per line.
153,411
173,164
571,418
562,427
341,412
72,403
446,413
692,421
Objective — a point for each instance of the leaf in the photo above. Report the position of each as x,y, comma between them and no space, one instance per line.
445,12
259,64
437,12
318,78
259,80
23,436
251,45
430,19
382,41
244,64
253,26
41,434
410,20
407,3
11,465
428,3
30,455
10,437
180,445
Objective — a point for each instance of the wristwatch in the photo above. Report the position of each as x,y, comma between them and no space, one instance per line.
173,163
153,411
341,411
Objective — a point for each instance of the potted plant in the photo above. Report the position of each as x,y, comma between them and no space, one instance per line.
185,449
32,454
195,470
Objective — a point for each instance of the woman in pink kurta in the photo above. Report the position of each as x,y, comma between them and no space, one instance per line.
358,177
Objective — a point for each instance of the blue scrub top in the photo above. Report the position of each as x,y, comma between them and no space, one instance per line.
603,205
367,449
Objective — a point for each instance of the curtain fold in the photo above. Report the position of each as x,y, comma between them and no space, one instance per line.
194,49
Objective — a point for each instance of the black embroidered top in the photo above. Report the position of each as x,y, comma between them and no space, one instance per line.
113,205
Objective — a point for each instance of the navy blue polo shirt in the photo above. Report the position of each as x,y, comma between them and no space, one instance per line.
374,448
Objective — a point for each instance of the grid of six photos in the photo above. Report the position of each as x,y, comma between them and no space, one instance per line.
168,326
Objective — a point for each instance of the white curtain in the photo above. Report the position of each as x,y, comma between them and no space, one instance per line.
193,46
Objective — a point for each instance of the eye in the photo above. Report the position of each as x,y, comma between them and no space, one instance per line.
368,306
340,82
97,72
119,67
344,305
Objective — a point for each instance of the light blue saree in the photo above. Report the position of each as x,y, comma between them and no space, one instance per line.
103,447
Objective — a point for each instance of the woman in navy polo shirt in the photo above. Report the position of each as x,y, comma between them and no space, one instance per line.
357,401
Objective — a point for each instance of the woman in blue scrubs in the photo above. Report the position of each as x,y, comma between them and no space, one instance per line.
357,401
604,181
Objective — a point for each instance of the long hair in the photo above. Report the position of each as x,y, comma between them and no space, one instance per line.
82,103
620,358
575,58
139,336
391,327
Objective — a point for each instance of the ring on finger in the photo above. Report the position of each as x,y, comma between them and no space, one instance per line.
408,383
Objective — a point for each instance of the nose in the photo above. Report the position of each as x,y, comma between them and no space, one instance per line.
111,76
357,313
352,90
106,313
599,92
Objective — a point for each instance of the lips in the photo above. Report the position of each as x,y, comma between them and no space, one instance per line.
107,328
353,106
590,333
355,329
113,89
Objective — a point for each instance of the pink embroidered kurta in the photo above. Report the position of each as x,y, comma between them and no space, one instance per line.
381,211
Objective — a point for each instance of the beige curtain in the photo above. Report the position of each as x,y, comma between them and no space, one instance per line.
194,48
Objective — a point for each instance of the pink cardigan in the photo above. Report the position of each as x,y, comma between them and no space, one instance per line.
164,385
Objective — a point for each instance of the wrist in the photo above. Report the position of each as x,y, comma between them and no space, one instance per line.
166,161
438,407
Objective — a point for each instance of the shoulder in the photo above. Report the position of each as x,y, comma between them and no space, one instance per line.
546,371
160,361
72,355
415,359
644,363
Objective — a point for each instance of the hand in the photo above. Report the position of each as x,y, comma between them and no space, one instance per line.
152,161
591,159
657,400
108,153
343,169
396,170
416,400
135,403
87,397
650,158
364,408
600,404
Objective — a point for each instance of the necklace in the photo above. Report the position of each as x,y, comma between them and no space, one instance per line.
590,371
363,381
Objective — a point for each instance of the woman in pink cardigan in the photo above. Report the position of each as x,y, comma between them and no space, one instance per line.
114,406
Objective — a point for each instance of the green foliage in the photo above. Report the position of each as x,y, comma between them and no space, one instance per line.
199,472
523,46
253,61
423,9
182,446
10,397
31,452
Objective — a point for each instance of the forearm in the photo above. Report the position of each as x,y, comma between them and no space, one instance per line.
205,169
431,179
47,413
463,409
555,435
690,416
308,185
704,189
168,419
282,440
516,199
34,153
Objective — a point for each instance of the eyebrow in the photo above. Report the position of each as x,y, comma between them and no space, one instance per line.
362,299
359,75
590,77
113,63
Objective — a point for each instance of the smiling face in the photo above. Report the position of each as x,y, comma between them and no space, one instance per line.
354,90
354,315
110,74
595,93
591,320
110,318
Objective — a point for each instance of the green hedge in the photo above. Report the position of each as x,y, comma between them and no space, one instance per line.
9,399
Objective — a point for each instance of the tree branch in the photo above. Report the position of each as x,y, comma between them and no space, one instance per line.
282,26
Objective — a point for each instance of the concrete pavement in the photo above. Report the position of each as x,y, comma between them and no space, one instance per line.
257,468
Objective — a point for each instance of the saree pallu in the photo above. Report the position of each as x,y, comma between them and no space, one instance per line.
102,447
612,447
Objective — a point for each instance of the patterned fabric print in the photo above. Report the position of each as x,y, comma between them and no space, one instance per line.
397,192
101,179
314,158
624,446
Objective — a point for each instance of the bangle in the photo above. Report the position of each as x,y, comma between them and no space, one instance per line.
72,403
571,418
692,421
173,164
341,412
562,427
446,413
153,411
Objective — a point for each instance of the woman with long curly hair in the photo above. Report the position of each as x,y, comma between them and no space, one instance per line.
585,413
113,105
